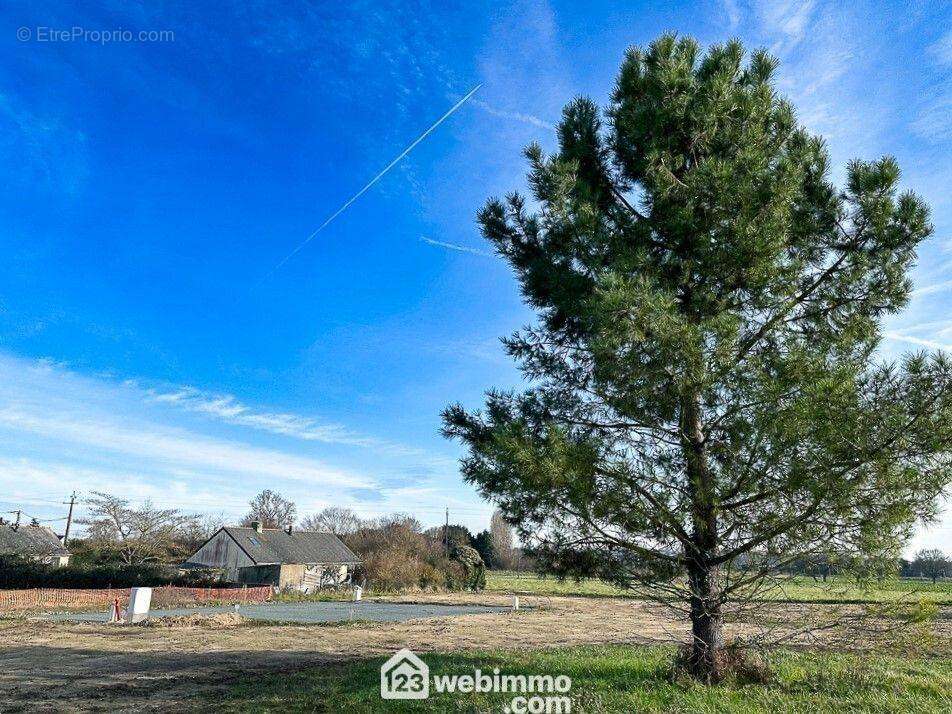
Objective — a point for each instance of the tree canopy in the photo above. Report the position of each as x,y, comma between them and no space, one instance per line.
706,401
271,510
136,535
333,519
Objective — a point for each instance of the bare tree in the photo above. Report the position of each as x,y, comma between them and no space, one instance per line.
199,530
136,535
932,563
502,540
398,520
271,509
339,521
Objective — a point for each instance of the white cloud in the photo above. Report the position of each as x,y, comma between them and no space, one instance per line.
227,409
941,49
62,431
934,120
936,327
151,442
35,484
933,288
790,19
49,412
819,57
732,10
931,344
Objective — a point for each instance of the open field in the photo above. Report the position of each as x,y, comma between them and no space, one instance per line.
790,589
55,666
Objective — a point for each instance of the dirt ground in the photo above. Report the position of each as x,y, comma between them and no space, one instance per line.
57,666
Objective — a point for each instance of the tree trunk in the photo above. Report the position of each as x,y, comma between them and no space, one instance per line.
705,660
707,624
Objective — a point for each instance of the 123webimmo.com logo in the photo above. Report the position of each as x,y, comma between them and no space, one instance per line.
406,676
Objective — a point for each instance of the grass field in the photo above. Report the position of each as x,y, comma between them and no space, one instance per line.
793,589
617,679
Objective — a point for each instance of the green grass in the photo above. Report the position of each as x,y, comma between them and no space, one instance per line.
621,679
504,581
793,589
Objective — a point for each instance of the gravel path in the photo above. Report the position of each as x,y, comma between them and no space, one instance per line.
309,612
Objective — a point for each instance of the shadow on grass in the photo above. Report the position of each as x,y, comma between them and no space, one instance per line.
621,679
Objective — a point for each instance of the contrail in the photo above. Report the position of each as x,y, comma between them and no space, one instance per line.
454,246
374,180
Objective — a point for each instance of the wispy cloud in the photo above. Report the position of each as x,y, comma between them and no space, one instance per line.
931,344
530,119
62,431
48,409
933,120
817,54
935,327
153,443
941,49
39,483
933,288
732,10
789,18
228,409
454,246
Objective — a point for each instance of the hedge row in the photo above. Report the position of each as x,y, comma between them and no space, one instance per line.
18,573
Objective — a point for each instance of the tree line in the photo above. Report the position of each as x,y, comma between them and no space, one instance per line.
927,563
135,544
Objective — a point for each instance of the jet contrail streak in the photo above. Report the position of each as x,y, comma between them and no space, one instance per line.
375,179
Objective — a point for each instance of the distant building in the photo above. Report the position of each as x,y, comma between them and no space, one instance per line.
285,558
34,542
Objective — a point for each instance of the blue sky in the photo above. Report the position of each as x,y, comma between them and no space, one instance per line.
151,187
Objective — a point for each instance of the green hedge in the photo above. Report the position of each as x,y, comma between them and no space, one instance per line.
21,573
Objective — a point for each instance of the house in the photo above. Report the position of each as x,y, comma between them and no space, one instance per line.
286,558
34,542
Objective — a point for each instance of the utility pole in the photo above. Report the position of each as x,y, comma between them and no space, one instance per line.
17,524
69,517
446,533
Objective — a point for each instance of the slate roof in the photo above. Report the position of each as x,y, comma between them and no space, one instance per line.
29,540
274,545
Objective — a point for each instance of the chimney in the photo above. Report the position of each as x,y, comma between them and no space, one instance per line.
257,526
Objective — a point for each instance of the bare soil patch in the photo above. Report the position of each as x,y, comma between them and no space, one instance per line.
218,621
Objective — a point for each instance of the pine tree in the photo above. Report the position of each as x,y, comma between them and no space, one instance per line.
706,403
